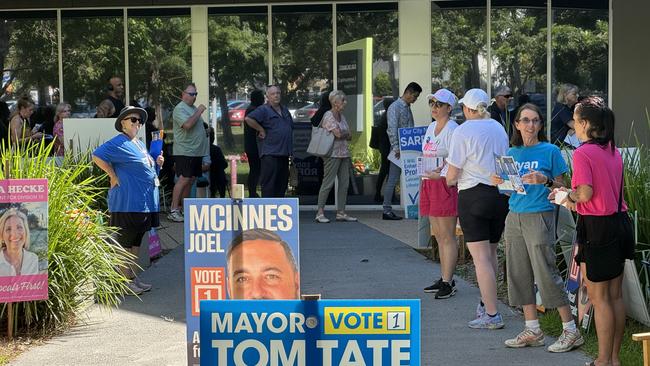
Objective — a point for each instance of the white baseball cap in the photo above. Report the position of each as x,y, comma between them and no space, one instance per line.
443,95
474,97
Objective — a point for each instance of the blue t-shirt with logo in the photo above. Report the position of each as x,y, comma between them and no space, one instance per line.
135,169
545,158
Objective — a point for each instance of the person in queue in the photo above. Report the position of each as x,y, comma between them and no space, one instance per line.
337,165
597,196
62,111
438,201
530,233
260,265
481,208
19,124
16,259
562,120
133,199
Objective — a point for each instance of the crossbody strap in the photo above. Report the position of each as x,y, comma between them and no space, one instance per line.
620,195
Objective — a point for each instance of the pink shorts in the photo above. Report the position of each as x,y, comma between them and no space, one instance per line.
437,199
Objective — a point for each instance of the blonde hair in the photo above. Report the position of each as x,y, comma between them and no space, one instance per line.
336,95
563,90
59,108
105,109
481,110
3,221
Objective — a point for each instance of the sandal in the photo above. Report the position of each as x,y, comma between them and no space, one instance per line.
321,219
345,217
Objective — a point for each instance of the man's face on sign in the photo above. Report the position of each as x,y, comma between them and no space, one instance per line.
260,269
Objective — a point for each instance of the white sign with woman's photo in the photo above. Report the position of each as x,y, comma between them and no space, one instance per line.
23,237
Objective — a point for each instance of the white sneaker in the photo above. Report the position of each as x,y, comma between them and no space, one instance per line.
526,338
568,340
345,217
321,219
175,216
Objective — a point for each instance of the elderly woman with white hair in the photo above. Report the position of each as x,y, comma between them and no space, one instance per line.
562,115
338,163
482,210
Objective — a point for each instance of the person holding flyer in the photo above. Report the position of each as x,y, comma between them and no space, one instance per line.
603,242
482,209
530,233
438,201
133,196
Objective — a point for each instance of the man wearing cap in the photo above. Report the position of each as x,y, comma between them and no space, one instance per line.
499,108
190,146
399,116
274,127
132,174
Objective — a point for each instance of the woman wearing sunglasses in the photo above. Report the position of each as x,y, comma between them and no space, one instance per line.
133,196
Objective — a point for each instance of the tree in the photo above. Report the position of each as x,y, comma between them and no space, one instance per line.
381,85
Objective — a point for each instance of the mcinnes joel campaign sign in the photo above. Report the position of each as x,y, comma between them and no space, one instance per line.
311,333
238,250
23,240
410,147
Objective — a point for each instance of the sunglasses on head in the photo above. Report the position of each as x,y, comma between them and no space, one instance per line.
192,94
134,119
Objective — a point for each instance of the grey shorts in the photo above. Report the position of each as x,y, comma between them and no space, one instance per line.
530,260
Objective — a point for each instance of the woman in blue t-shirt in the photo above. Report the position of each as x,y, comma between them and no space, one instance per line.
530,233
133,196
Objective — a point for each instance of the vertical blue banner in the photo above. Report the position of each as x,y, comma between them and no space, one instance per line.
410,147
238,250
311,333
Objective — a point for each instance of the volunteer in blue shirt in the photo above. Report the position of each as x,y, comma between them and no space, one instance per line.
133,196
530,233
274,127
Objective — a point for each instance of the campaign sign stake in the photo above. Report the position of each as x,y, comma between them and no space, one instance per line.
238,249
311,333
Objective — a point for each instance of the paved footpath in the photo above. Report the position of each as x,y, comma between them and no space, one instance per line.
368,259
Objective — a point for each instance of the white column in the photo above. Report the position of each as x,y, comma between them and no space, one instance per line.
200,66
415,53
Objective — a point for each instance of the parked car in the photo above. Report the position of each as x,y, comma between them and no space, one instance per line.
231,104
236,114
378,110
305,113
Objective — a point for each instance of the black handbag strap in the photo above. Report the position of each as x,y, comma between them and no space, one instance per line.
620,195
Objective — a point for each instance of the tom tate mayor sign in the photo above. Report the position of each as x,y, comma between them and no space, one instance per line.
301,333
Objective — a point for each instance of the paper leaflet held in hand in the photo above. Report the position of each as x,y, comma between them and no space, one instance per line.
430,161
506,168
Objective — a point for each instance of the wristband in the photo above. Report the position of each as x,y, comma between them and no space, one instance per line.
568,197
549,182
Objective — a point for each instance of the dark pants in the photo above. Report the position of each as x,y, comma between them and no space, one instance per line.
254,163
383,171
274,175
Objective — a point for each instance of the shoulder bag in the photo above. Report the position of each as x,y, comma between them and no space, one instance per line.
321,142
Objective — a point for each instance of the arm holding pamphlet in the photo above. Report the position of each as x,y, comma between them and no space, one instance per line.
510,181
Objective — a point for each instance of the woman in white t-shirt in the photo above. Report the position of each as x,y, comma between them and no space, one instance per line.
482,210
437,200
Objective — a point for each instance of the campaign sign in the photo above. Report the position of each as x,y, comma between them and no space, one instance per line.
410,147
311,333
577,292
23,238
245,249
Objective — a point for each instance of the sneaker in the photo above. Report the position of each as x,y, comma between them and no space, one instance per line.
480,310
144,286
321,219
175,216
433,288
133,289
487,322
345,217
568,340
526,338
390,216
446,290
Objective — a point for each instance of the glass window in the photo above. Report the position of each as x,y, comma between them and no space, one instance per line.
362,28
30,61
518,60
458,48
160,58
238,62
93,52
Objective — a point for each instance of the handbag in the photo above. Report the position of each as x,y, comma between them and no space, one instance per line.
321,142
625,227
375,137
154,244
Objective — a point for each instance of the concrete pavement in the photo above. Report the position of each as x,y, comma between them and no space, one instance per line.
369,259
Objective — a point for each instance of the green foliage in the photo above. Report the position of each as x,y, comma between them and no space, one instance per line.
381,86
83,258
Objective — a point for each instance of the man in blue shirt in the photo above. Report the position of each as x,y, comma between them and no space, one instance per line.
274,127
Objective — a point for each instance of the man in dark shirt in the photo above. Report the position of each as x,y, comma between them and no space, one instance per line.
274,127
115,95
499,108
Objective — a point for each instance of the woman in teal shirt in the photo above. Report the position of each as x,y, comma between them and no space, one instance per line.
530,233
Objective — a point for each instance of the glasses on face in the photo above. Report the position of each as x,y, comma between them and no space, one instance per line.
193,94
437,104
507,96
134,120
526,120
